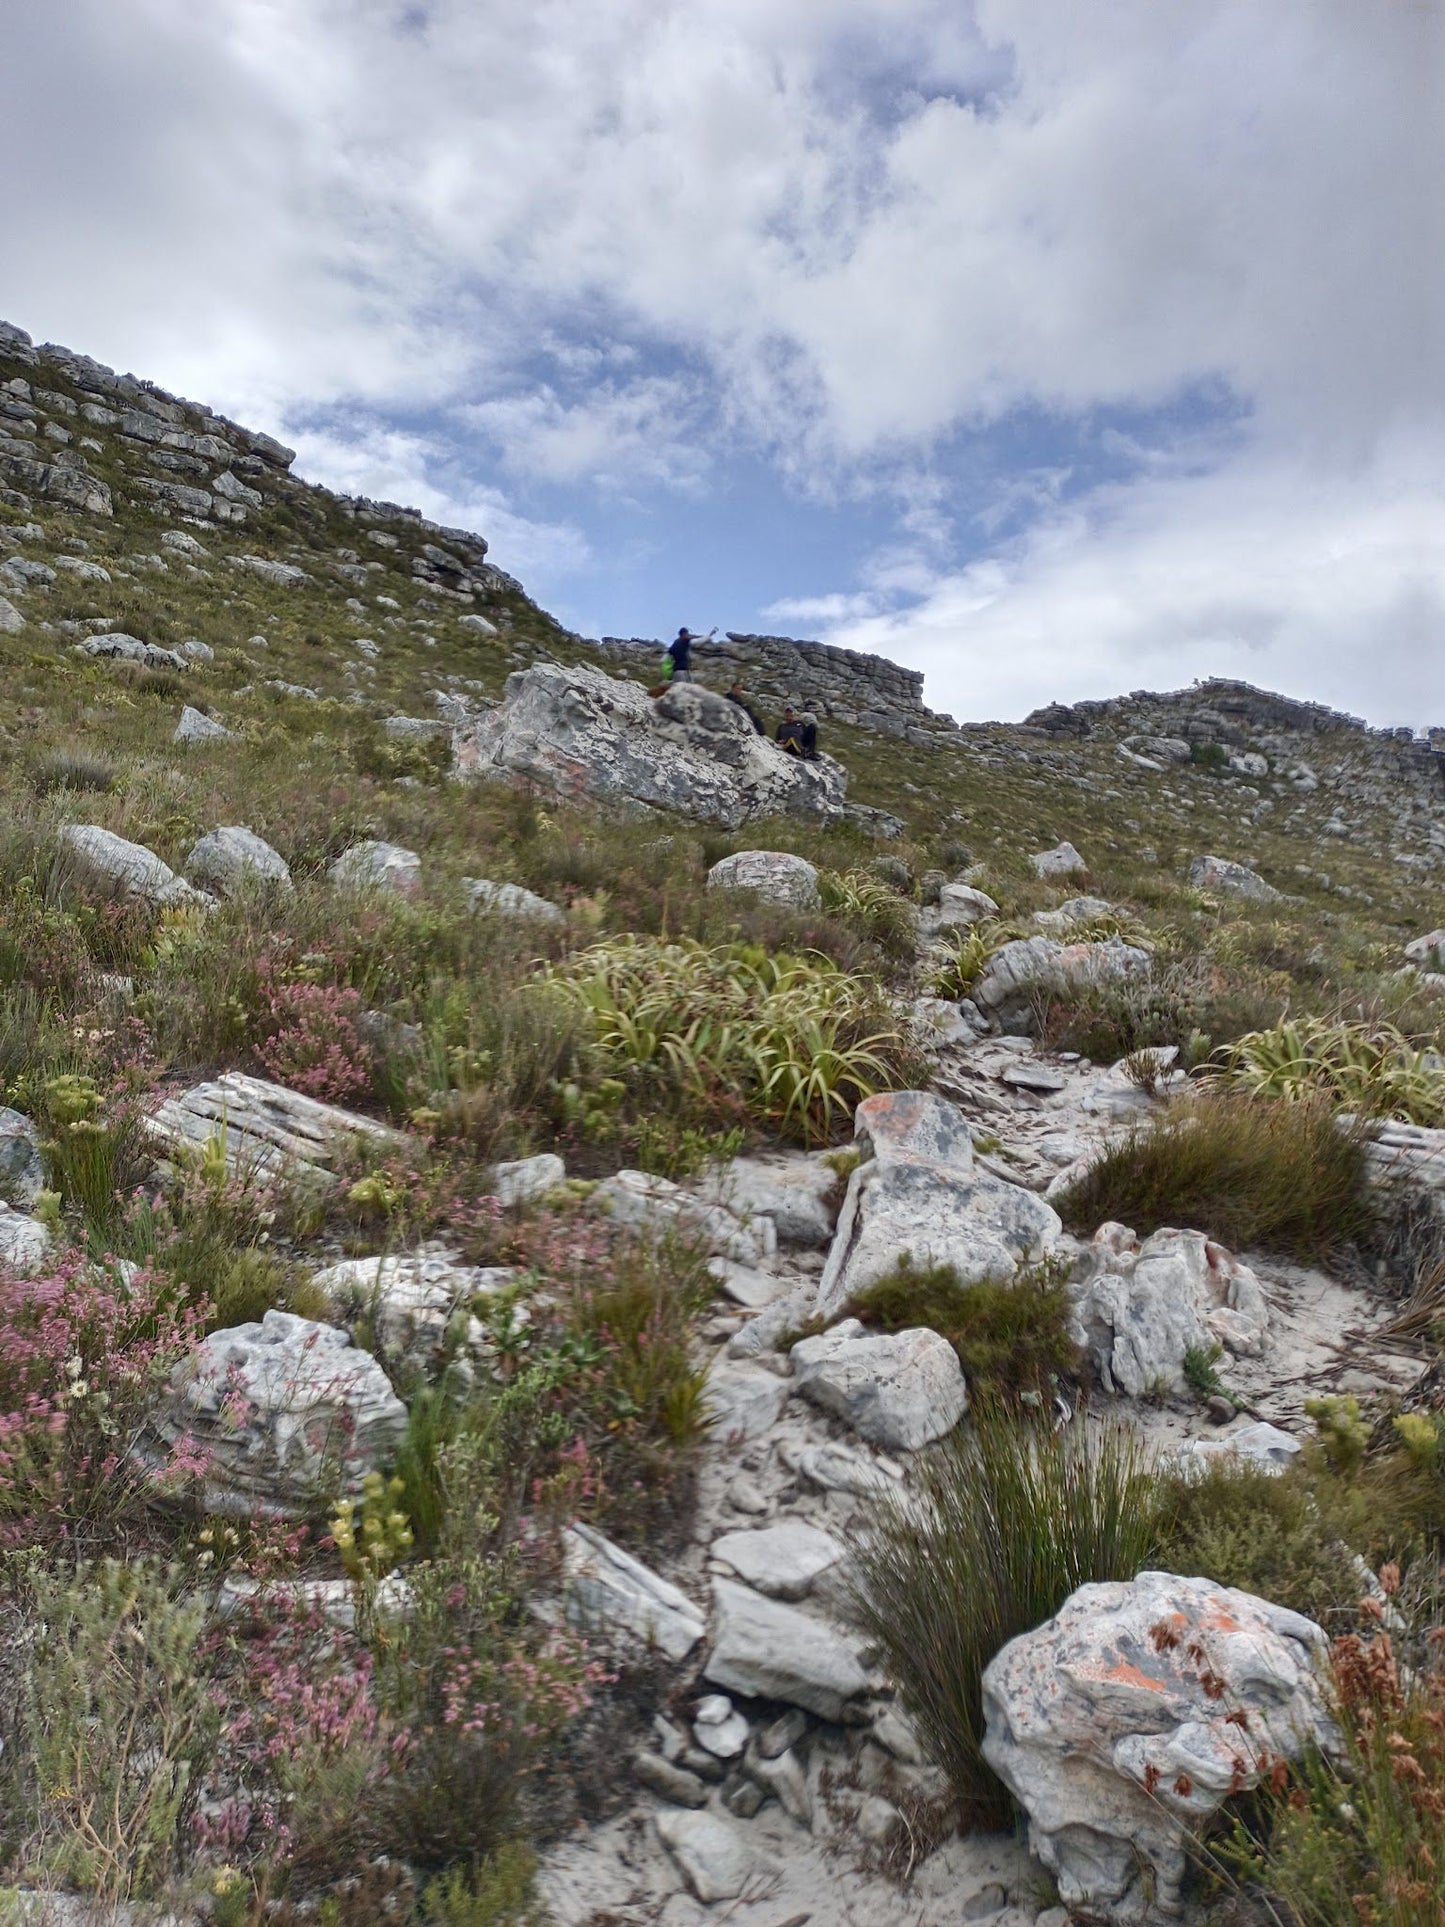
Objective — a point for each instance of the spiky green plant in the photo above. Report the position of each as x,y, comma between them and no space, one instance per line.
1371,1069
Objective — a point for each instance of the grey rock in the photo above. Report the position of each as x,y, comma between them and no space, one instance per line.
1116,1751
22,1170
22,572
509,900
198,651
767,1650
901,1390
783,1777
1062,861
607,1590
24,1241
232,489
1218,875
524,1179
1075,911
123,648
377,866
193,727
878,1821
409,1301
742,1797
784,1561
786,1731
1042,1079
11,620
288,1412
918,1191
264,1129
743,1401
109,864
419,729
234,858
1258,1444
579,731
774,875
1022,970
1140,1310
746,1286
182,543
719,1728
800,1195
284,575
715,1859
960,904
647,1203
667,1781
78,566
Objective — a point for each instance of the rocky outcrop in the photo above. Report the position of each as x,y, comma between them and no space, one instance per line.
109,865
1115,1727
1142,1309
582,733
277,1418
263,1129
919,1192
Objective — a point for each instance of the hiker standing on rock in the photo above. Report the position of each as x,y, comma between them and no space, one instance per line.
677,664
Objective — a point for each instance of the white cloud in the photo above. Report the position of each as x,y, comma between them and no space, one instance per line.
1325,587
621,436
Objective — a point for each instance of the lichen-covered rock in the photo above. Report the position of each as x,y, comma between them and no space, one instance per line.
919,1191
232,857
263,1128
1019,972
22,1171
648,1203
583,733
109,864
776,875
1141,1309
284,1415
523,1179
377,866
1223,878
509,900
1114,1726
901,1390
123,648
1062,861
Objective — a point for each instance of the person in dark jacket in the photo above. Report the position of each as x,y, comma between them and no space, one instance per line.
789,733
735,695
808,736
679,654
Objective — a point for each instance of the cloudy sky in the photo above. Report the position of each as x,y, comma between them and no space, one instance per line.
1055,349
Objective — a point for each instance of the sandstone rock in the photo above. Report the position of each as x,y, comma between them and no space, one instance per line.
918,1191
783,1561
937,1022
961,904
105,862
523,1179
743,1401
800,1195
1428,951
24,1241
901,1390
766,1650
196,728
782,1775
378,866
182,543
1115,1748
410,1300
288,1413
233,857
22,1170
23,572
744,1284
719,1728
1259,1444
716,1859
509,900
264,1128
284,575
77,565
232,489
667,1780
122,648
11,620
581,732
1062,861
1029,967
655,1204
1223,878
608,1590
1141,1308
771,874
1075,911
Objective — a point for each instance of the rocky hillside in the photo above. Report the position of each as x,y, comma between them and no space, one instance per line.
603,1325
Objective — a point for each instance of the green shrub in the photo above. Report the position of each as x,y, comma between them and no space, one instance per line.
497,1894
1007,1519
1370,1069
1011,1337
1249,1172
872,907
71,769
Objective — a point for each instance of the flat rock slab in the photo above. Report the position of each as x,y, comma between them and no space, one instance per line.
108,864
265,1128
743,1401
783,1561
1042,1078
716,1858
767,1650
901,1390
648,1203
607,1590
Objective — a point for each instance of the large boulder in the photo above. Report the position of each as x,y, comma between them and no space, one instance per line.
1062,861
377,866
1126,1721
1030,967
961,904
231,858
767,1650
918,1191
776,875
582,733
282,1417
263,1129
1141,1309
901,1390
1222,878
108,864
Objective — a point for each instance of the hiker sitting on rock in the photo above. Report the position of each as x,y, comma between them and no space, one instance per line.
677,663
789,735
735,695
808,736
